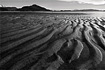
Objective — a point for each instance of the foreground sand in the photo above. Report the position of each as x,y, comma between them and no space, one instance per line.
52,42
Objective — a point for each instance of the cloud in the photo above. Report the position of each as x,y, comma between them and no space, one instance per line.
95,2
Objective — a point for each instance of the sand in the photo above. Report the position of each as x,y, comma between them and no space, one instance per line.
52,42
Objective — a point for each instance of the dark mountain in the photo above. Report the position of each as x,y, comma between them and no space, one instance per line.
33,7
3,9
8,8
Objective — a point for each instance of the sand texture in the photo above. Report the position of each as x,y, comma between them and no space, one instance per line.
52,42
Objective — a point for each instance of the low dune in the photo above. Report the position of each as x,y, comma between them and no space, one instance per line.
52,42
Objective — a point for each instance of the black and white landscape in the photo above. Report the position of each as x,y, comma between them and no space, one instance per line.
37,38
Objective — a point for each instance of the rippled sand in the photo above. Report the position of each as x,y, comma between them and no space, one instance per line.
52,42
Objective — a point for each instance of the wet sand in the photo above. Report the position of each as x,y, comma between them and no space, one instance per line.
52,41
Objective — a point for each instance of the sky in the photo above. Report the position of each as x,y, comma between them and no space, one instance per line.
57,4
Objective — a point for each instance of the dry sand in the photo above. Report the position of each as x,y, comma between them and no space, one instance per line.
52,42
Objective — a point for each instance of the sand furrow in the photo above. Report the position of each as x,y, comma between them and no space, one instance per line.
26,62
68,50
20,36
20,41
54,42
77,51
98,36
96,53
35,44
19,31
56,46
23,45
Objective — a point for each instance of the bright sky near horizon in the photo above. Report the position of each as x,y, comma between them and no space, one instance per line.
57,4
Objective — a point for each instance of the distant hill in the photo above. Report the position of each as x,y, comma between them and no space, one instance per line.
8,8
33,7
81,10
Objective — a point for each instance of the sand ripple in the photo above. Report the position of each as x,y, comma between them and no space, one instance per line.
53,42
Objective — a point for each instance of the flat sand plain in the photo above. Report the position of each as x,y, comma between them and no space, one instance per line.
52,41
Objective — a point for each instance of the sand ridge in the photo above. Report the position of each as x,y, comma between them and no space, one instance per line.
52,42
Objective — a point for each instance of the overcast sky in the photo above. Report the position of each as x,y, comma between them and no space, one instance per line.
58,4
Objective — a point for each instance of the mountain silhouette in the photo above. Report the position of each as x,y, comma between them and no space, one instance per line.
33,7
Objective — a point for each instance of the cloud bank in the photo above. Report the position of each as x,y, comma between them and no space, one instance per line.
95,2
